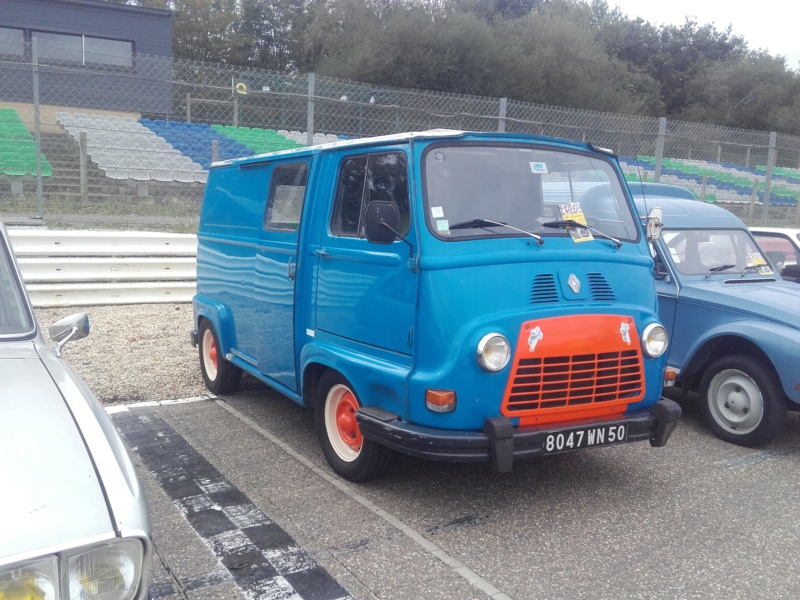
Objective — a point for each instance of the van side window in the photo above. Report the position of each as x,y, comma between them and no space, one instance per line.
363,179
287,190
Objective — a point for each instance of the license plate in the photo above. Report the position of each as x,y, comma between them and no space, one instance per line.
587,437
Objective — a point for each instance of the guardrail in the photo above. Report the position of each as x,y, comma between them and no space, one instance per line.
84,268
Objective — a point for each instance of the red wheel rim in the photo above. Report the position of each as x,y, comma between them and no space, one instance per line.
346,421
212,354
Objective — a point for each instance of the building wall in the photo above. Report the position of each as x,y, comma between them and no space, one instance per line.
150,30
144,87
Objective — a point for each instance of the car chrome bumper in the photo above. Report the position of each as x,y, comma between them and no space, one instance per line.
500,442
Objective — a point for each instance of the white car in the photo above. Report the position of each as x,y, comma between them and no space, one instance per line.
74,522
782,247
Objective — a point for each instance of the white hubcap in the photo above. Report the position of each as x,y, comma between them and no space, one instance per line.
735,401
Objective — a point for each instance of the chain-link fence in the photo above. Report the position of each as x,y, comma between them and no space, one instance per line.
91,141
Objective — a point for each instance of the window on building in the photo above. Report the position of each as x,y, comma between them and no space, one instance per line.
363,179
107,52
12,41
83,49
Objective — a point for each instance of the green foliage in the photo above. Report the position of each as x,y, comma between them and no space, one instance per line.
573,53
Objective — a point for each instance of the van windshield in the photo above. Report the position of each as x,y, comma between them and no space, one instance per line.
482,190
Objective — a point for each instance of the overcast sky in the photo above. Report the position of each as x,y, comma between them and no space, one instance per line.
773,25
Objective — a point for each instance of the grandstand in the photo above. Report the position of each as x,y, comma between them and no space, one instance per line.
125,157
719,181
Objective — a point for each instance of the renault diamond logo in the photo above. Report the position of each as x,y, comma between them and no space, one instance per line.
574,283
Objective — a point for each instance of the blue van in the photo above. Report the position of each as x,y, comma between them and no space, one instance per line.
453,296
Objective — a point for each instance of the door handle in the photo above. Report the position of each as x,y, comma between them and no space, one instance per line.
322,253
291,270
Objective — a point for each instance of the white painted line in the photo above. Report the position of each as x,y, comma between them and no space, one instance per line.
117,408
453,563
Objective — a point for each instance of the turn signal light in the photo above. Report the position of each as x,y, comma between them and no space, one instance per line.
670,375
440,400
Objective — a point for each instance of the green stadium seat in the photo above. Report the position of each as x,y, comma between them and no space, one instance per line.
15,168
47,169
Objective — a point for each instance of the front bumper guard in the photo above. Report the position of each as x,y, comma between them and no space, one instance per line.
500,442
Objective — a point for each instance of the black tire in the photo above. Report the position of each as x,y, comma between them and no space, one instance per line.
221,377
742,401
349,455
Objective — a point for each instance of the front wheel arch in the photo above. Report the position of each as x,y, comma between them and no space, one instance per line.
714,349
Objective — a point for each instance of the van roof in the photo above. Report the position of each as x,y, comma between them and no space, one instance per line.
402,137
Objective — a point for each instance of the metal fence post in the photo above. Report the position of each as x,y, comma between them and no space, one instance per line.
235,111
662,133
751,208
773,139
188,107
310,115
37,128
501,124
214,151
82,145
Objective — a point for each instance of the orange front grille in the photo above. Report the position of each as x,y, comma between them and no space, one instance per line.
580,367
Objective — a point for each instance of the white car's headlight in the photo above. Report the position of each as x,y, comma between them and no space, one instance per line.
654,340
36,579
109,571
494,352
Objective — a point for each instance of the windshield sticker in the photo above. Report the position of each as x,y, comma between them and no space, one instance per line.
755,259
538,167
443,226
437,212
535,336
572,211
765,270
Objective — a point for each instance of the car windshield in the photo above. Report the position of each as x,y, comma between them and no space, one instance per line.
709,251
15,316
483,190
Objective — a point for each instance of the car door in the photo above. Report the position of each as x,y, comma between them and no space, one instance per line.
367,292
276,266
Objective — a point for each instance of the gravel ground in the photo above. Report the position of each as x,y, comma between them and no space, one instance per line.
135,352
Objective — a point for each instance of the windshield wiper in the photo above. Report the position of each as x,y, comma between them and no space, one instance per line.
718,269
563,223
478,223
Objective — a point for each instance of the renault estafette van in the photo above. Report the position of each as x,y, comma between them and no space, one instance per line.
453,296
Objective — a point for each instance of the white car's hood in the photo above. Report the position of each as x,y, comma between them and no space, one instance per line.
43,453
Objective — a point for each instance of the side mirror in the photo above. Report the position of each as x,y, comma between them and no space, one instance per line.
382,221
73,327
655,221
791,273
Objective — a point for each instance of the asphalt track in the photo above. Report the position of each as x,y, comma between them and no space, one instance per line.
245,506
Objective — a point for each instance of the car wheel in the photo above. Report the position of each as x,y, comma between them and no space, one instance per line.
221,377
743,402
348,453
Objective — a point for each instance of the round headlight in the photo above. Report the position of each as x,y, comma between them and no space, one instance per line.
494,352
654,340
